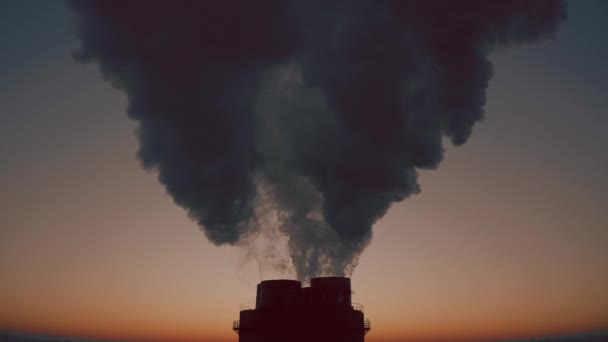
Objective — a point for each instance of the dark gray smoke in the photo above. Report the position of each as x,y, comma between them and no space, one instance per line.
309,116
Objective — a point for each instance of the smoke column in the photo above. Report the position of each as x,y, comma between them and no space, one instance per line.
306,119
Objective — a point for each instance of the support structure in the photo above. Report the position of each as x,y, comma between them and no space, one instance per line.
286,311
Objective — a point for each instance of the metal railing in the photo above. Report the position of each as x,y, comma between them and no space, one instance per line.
367,326
358,307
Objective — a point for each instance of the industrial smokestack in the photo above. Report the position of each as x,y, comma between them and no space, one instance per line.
286,311
304,118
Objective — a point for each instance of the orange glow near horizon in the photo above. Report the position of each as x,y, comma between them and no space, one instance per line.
382,332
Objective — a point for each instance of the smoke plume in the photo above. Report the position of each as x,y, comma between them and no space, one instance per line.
307,116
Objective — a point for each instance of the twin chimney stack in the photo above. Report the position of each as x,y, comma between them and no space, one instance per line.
286,311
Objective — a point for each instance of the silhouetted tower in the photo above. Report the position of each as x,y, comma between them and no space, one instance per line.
285,312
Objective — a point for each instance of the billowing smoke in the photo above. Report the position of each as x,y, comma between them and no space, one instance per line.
310,117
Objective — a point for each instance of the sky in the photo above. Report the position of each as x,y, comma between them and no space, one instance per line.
508,237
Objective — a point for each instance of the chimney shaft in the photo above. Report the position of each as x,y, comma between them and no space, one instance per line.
286,311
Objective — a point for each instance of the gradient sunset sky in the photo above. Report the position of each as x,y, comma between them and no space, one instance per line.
508,238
